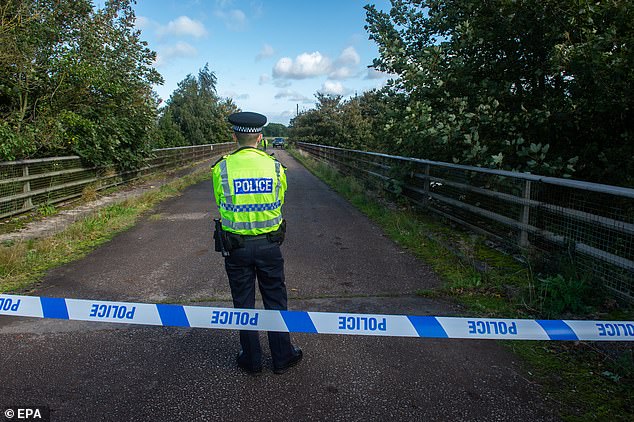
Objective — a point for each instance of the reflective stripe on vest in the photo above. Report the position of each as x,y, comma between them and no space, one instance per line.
252,225
251,207
279,180
224,177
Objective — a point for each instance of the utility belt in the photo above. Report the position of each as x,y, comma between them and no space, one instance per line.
226,242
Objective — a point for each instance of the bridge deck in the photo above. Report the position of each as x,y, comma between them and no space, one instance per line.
336,260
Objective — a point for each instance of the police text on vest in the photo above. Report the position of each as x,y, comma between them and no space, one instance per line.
259,185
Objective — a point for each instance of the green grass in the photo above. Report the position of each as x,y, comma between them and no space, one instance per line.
23,263
590,381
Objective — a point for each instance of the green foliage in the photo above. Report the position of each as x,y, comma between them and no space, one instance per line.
46,210
14,145
194,114
334,122
168,133
591,383
557,295
75,80
274,130
537,86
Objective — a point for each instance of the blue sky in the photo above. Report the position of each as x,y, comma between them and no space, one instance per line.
268,55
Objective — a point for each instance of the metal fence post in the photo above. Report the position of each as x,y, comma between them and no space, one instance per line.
525,217
426,185
28,201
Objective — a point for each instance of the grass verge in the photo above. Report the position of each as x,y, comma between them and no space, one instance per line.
590,381
23,263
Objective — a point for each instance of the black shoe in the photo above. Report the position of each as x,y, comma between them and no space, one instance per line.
294,361
249,369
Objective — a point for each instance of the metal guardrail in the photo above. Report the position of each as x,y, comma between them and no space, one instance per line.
591,223
29,184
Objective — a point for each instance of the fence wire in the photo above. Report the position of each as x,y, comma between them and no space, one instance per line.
29,184
590,224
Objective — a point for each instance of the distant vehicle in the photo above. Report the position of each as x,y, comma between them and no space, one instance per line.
278,143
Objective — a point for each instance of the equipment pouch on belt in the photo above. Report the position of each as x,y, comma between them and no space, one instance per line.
234,241
221,243
278,235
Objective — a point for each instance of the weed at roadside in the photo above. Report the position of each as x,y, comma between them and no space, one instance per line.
46,210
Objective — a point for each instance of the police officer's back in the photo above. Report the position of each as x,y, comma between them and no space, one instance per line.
249,187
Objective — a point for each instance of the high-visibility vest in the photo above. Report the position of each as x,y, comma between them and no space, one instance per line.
249,186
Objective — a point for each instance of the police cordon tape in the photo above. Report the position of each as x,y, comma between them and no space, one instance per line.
314,322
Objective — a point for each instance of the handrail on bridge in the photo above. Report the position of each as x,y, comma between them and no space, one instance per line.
28,184
593,222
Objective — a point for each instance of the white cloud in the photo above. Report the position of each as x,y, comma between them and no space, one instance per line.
334,88
183,25
265,78
266,51
343,72
257,9
235,95
349,56
283,117
180,49
306,65
235,19
292,96
346,65
376,74
282,83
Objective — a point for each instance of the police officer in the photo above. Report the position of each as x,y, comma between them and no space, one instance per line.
249,187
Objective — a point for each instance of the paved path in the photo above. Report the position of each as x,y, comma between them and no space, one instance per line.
336,260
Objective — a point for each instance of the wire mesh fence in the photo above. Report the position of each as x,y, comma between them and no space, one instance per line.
588,223
29,184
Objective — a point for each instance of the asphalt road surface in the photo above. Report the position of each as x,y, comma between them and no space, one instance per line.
336,260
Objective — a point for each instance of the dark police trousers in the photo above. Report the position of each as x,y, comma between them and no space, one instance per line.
262,259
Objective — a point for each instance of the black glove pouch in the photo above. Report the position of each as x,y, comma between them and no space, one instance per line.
233,241
278,235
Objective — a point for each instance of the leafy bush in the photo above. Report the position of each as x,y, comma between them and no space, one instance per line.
557,295
62,92
14,146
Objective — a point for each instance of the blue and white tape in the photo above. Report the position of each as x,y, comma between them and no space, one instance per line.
314,322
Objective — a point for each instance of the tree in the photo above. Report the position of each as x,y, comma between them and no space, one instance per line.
75,80
197,111
336,122
275,130
322,125
531,85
